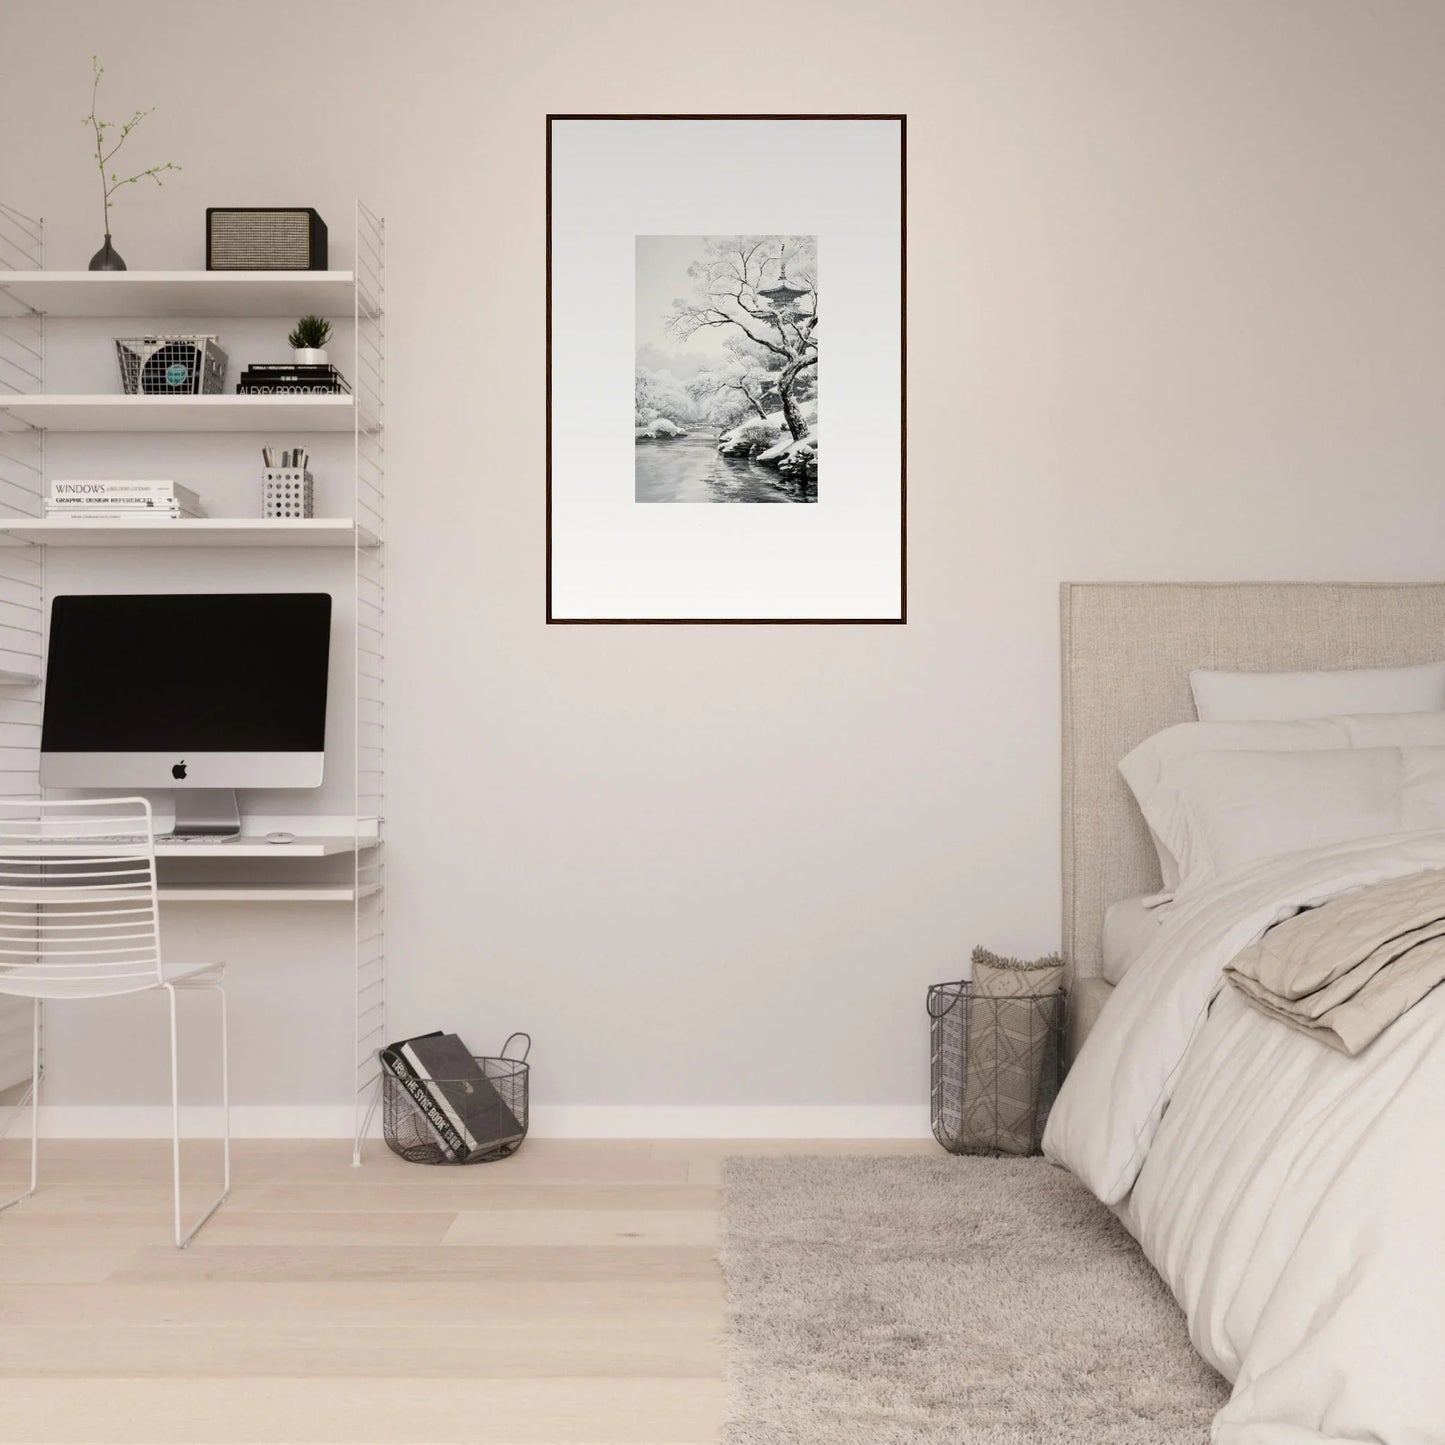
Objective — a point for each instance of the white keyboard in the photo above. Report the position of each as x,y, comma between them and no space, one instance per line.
140,838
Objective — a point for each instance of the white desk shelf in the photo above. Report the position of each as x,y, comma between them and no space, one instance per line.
329,845
172,294
263,892
338,858
188,532
108,413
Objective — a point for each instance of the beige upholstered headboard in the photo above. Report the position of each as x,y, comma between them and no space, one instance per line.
1128,648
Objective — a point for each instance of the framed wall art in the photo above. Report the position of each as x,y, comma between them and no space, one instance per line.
736,285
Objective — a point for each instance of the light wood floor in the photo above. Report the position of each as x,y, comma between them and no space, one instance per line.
569,1294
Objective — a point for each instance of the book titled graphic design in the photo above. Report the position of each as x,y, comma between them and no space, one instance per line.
102,498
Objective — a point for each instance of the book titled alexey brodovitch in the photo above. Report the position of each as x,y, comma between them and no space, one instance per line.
291,379
452,1093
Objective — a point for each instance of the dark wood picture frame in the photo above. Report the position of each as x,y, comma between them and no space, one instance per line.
902,617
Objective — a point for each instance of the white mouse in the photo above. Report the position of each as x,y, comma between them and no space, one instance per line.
280,837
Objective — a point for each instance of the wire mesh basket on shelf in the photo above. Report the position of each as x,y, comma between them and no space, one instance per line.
996,1068
410,1133
170,365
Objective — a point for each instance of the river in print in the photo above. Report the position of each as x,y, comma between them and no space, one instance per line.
691,469
725,404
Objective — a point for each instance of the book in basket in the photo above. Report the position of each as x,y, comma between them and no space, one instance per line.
449,1141
460,1103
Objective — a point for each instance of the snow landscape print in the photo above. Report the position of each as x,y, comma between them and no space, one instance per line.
726,388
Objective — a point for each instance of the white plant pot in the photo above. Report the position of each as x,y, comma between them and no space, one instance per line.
309,356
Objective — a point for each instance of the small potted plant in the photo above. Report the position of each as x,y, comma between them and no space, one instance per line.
308,340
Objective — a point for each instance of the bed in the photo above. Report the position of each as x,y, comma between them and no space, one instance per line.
1290,1197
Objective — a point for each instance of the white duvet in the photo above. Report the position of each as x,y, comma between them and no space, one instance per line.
1292,1198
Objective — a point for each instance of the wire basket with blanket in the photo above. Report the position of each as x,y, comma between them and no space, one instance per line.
997,1051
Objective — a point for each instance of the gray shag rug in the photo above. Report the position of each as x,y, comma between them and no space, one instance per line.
913,1300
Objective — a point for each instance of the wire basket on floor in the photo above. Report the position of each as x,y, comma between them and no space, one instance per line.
408,1133
996,1065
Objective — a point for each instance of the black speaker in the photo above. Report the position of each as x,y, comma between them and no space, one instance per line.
264,238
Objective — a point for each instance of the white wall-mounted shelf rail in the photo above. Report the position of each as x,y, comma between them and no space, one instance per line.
30,297
22,570
368,381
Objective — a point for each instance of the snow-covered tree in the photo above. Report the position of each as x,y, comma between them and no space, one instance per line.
642,393
659,393
744,385
728,282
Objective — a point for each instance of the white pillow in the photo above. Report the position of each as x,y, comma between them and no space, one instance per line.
1144,767
1256,696
1130,929
1218,811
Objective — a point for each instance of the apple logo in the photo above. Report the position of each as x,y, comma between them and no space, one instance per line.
179,771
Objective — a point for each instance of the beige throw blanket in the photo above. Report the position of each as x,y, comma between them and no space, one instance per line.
1346,971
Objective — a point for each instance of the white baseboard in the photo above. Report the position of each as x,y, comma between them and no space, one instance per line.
557,1121
732,1121
146,1121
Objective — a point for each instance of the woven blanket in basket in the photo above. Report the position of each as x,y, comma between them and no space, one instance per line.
1006,1051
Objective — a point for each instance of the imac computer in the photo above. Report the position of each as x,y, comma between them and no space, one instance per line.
198,693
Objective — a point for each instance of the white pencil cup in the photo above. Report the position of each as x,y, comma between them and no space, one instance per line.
286,492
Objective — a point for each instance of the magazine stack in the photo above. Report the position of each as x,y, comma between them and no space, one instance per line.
133,500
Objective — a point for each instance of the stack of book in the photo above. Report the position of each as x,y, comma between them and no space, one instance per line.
460,1105
286,378
136,500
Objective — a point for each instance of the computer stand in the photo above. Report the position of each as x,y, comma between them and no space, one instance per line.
206,813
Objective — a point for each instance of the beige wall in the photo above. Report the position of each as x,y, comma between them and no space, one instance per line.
1178,311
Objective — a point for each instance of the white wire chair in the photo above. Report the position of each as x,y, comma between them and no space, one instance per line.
79,920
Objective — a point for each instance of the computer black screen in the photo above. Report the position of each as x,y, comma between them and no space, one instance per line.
191,672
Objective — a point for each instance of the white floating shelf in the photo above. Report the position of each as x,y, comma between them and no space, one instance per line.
250,846
186,532
261,892
87,413
227,850
184,293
